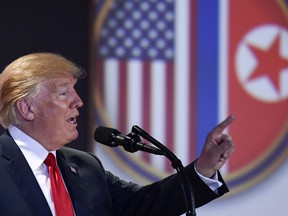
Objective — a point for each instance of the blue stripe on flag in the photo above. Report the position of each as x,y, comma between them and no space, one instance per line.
207,68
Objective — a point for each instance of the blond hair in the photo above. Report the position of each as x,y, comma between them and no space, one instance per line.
23,77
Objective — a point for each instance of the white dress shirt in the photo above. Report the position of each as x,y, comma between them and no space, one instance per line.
212,182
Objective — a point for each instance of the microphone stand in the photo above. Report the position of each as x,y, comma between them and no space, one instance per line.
177,165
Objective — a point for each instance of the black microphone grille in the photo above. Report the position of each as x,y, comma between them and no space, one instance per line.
105,134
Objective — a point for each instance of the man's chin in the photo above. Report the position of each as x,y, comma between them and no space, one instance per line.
73,136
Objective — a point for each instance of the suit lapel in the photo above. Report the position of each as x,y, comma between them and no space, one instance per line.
70,172
23,177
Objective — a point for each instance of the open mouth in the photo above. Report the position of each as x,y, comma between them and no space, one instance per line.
72,120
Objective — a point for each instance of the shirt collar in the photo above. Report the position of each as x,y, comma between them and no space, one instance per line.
32,150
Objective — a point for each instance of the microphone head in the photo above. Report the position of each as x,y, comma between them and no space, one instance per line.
105,135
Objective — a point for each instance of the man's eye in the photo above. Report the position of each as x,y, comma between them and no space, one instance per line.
62,95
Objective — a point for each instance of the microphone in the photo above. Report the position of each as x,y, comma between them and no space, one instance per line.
131,142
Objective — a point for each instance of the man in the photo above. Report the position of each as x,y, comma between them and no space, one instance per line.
39,108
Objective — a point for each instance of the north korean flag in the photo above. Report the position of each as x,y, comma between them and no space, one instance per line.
257,85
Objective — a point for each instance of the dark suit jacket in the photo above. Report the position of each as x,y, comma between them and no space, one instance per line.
93,190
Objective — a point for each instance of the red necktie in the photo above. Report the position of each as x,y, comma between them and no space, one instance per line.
60,196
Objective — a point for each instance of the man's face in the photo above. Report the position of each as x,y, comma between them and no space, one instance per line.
56,109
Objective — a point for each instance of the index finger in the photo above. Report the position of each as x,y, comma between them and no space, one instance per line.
223,125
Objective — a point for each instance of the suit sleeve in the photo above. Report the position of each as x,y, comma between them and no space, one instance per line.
164,197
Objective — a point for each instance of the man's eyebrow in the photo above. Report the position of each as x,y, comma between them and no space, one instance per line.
62,84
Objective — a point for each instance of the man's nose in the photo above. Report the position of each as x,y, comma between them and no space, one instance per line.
77,101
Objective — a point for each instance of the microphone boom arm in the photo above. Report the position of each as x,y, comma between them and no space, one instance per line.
177,165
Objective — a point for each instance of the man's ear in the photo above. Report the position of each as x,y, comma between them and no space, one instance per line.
25,108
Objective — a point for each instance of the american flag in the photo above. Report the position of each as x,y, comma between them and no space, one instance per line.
145,72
